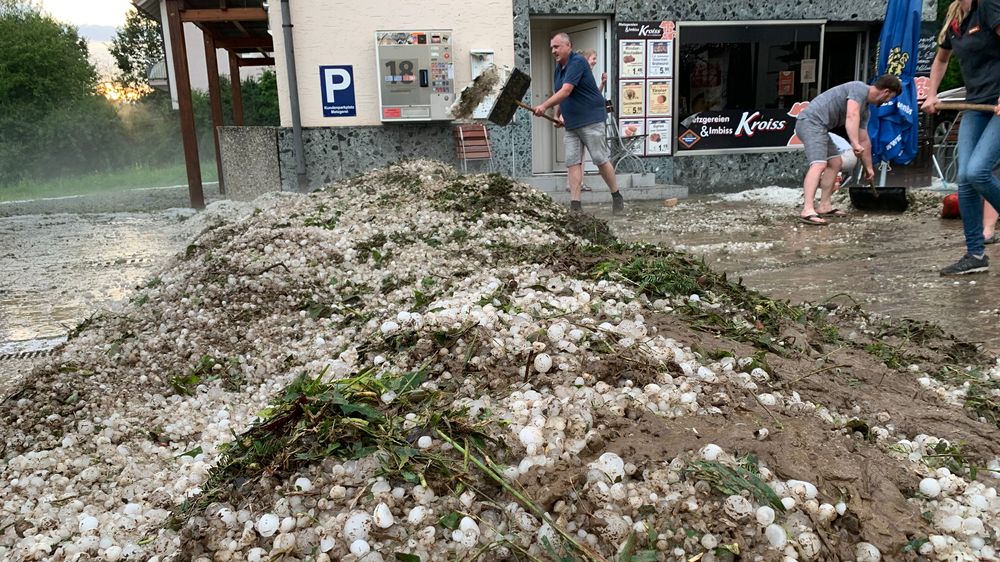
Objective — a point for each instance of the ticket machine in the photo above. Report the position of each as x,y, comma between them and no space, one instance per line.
416,73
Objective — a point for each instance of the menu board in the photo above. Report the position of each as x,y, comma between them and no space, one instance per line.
646,84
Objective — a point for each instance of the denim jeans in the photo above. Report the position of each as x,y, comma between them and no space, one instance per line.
978,152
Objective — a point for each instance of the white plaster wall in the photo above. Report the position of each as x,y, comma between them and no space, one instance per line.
335,32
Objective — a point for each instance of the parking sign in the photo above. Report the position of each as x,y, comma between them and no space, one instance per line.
337,84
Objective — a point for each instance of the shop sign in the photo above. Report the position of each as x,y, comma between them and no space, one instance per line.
728,130
337,87
786,83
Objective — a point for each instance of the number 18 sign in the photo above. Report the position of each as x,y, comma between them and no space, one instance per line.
337,84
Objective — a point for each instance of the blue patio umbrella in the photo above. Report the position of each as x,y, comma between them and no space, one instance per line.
893,126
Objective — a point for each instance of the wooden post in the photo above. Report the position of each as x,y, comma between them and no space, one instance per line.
234,78
215,96
183,82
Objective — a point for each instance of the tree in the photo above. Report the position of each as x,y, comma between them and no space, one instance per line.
47,95
136,46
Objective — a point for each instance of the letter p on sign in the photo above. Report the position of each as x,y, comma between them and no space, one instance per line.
337,84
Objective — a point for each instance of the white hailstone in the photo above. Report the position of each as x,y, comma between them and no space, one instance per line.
809,545
576,334
267,524
556,333
694,298
866,552
538,347
113,553
543,362
458,536
767,399
802,489
381,487
132,509
977,543
930,487
737,507
612,466
765,515
841,508
531,437
88,523
357,526
326,544
338,492
256,555
468,526
284,542
776,536
403,317
789,503
972,526
287,525
467,499
979,502
382,516
360,547
416,515
951,524
388,327
709,542
425,442
827,513
303,484
711,452
762,433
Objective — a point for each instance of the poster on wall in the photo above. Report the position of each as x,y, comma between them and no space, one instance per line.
632,131
661,59
727,130
645,81
786,83
632,94
632,59
659,137
660,95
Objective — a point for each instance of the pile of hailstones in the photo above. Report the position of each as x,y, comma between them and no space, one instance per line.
346,510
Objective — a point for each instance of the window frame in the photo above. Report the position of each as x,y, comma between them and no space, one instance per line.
715,23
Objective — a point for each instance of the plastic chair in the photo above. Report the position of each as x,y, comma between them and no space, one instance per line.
472,144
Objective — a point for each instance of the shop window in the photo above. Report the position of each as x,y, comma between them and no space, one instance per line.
746,67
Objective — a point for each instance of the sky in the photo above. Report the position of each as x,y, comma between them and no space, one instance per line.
89,12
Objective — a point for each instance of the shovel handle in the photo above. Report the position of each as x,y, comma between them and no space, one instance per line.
529,108
962,106
871,184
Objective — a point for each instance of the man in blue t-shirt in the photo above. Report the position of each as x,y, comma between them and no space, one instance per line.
580,108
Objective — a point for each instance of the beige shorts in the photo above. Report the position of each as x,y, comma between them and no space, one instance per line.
591,136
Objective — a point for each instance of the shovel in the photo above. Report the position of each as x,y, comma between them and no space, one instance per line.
962,106
886,199
505,87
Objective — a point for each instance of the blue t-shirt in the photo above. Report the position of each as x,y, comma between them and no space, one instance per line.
585,105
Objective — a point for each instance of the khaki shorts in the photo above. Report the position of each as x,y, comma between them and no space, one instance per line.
816,140
591,136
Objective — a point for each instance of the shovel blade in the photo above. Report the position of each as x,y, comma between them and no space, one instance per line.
885,199
513,90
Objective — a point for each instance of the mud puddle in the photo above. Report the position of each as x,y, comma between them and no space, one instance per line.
887,263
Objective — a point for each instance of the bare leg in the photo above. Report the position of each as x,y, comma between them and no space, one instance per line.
574,175
607,170
826,183
989,220
809,185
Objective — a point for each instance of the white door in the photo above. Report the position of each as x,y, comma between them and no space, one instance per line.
589,35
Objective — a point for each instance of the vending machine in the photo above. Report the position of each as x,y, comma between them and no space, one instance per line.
416,74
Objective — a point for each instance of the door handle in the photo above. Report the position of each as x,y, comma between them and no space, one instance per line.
423,79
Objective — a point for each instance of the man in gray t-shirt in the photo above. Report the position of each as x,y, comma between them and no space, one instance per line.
845,106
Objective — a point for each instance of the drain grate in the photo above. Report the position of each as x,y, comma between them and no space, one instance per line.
25,354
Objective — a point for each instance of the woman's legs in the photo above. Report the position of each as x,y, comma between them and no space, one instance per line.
978,151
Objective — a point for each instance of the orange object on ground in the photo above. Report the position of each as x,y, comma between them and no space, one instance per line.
949,207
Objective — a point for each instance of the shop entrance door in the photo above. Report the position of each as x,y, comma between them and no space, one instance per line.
548,153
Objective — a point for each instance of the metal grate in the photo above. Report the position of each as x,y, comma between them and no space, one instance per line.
25,354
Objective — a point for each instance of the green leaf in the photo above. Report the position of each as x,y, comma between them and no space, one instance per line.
192,453
405,557
451,520
365,410
646,556
915,545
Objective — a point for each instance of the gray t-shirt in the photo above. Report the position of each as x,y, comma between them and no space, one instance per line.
829,109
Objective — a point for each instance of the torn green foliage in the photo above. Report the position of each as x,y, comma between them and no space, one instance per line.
731,480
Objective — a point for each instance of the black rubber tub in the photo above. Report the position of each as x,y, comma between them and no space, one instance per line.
883,199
